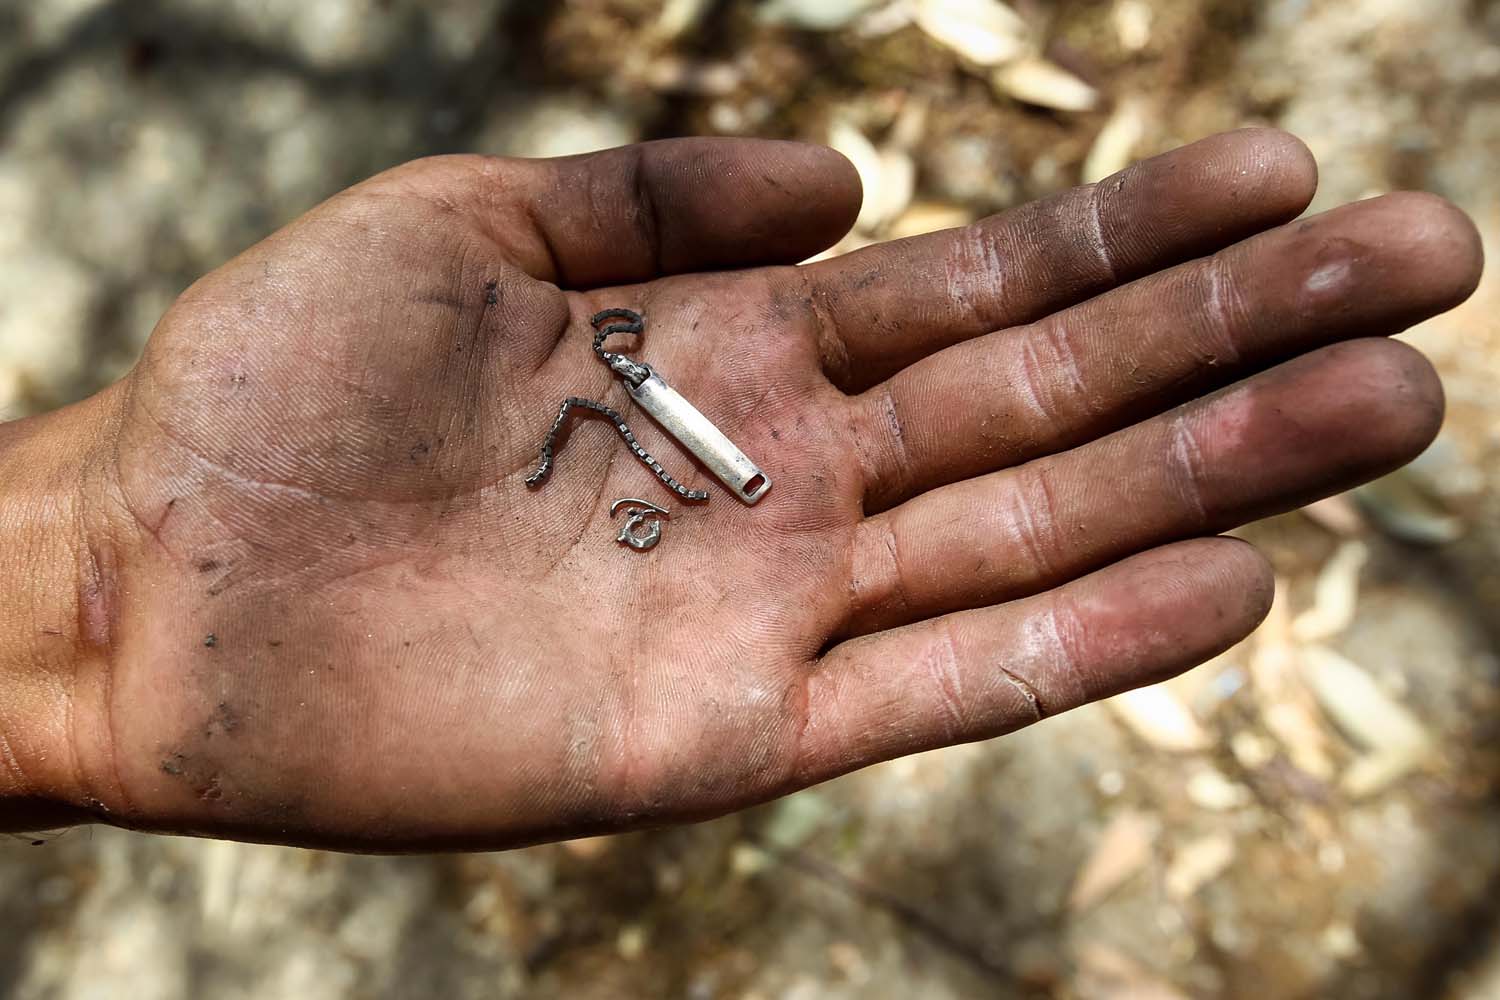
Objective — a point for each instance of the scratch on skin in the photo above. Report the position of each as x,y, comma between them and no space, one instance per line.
96,598
161,522
1027,692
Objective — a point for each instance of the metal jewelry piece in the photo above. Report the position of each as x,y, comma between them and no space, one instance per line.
648,514
676,415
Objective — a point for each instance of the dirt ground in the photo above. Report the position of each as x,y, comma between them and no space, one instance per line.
1314,814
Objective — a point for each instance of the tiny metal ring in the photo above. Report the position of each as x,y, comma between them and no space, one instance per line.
648,514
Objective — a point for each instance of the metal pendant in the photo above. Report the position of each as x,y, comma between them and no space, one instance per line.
697,434
676,415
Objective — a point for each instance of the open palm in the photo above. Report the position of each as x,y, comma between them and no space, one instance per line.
336,614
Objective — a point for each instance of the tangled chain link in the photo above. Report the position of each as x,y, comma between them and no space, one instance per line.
633,374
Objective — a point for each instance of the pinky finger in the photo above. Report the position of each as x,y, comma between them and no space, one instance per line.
977,674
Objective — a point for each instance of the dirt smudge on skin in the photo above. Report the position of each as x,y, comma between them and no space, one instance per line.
224,721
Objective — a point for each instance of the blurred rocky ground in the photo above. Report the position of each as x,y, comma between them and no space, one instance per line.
1314,814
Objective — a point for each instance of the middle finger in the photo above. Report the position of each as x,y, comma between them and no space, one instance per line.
1367,269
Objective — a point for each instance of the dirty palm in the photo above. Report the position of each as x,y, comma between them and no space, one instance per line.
1001,456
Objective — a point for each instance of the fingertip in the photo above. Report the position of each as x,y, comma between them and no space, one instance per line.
1439,241
1248,575
1204,196
740,202
1168,609
1397,397
1343,415
1264,174
845,191
1228,577
815,185
1281,160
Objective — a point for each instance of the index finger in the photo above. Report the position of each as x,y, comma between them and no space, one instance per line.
886,306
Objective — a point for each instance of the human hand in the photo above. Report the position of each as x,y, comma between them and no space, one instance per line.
312,600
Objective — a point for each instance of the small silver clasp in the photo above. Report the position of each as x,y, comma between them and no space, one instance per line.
645,513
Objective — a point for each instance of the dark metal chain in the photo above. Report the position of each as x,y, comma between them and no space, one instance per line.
633,374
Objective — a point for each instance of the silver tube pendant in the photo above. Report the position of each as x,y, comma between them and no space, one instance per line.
697,434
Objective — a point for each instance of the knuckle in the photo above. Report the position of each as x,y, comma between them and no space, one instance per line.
880,439
1034,512
878,584
1187,465
1221,296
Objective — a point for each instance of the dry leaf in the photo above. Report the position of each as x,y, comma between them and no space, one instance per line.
888,175
813,15
1286,705
1114,146
1334,595
1199,863
984,32
1034,80
1159,717
1395,741
1209,789
929,217
861,152
679,16
1132,20
898,182
1252,750
1122,850
1107,972
589,848
1402,507
1337,514
1371,718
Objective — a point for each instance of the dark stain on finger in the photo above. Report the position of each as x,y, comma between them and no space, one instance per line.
222,722
206,783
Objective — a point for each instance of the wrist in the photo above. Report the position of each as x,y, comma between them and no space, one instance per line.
56,595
